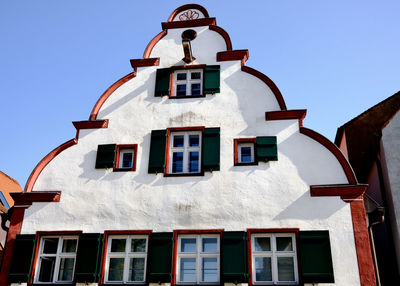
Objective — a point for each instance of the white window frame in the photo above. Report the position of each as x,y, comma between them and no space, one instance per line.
127,255
274,254
123,151
58,255
198,255
186,149
188,81
239,150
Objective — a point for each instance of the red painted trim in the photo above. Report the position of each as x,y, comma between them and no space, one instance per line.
334,150
39,168
250,231
105,245
188,7
269,83
236,55
14,229
152,43
361,237
107,93
90,124
224,34
299,114
346,192
235,150
147,62
175,247
126,146
189,67
189,23
26,199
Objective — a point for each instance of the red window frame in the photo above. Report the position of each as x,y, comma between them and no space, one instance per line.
118,149
236,143
172,78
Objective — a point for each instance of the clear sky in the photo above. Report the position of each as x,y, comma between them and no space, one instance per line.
335,58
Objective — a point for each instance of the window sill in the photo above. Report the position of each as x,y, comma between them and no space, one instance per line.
184,175
246,164
187,96
124,170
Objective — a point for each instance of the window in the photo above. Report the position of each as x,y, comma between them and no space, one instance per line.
274,259
126,259
250,151
184,152
188,82
198,259
56,259
118,157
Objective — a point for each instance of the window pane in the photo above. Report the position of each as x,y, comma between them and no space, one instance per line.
245,154
138,245
284,244
127,159
50,245
178,141
116,269
262,244
196,88
180,89
196,75
187,270
66,269
285,269
181,76
194,162
177,162
194,140
136,269
209,271
263,269
210,244
118,245
69,245
188,245
47,265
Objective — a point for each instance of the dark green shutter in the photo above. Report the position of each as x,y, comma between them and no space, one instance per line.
211,147
105,156
266,148
88,257
157,151
163,80
211,79
160,257
234,257
21,262
315,257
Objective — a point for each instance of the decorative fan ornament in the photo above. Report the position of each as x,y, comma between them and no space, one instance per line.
188,15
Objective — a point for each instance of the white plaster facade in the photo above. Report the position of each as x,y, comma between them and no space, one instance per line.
270,195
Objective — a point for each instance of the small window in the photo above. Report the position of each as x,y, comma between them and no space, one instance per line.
56,259
118,157
126,259
188,83
198,259
244,149
274,259
185,152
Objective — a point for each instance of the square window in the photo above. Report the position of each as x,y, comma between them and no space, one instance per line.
244,151
274,258
185,152
188,83
56,259
198,259
126,259
125,158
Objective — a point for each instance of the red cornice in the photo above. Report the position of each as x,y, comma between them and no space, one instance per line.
346,192
90,124
224,34
107,93
148,62
187,7
152,43
241,55
24,199
189,23
299,114
334,150
269,83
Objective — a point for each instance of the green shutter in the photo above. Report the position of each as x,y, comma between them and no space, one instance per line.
88,257
211,79
21,262
266,148
234,257
163,80
315,257
157,151
105,156
211,146
160,257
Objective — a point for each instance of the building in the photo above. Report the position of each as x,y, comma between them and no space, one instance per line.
370,142
191,170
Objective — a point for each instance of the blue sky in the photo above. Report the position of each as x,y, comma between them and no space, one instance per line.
333,58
